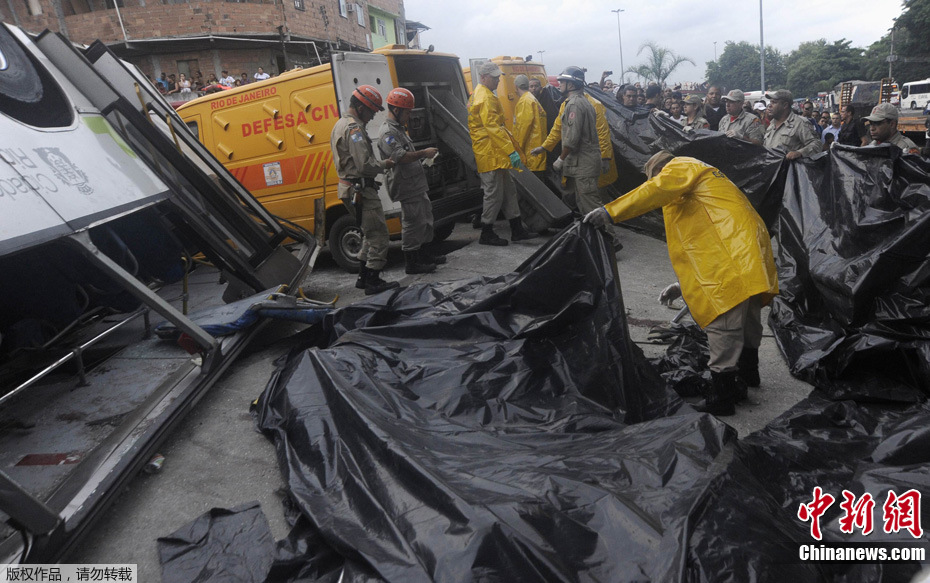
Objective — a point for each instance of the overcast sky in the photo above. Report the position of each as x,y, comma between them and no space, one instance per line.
584,32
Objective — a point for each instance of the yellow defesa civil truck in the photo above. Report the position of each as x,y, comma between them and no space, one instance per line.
274,137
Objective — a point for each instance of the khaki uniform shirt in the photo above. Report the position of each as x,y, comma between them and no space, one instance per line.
747,126
699,123
404,181
795,133
579,132
901,141
352,155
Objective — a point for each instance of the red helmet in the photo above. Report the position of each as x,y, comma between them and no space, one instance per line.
400,97
369,97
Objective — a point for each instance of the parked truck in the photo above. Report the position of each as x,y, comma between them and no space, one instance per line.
274,137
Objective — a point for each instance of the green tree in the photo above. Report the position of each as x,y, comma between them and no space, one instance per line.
738,67
818,66
660,63
910,41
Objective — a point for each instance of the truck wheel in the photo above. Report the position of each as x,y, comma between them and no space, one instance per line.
345,242
442,233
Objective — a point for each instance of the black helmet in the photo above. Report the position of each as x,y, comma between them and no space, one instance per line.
573,74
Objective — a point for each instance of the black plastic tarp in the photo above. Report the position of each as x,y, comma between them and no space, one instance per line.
637,134
499,429
505,429
853,239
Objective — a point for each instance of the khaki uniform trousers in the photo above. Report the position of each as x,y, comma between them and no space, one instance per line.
374,231
500,193
731,331
416,222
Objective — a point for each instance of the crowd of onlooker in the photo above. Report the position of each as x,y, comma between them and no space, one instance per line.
181,84
689,109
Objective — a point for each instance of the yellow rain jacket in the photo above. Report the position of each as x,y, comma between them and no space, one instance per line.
490,140
718,244
603,139
529,129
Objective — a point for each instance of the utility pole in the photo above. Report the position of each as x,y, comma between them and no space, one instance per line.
620,39
761,51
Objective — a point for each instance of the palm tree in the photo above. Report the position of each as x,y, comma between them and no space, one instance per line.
660,63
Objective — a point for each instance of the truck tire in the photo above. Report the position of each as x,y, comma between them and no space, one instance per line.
443,232
345,243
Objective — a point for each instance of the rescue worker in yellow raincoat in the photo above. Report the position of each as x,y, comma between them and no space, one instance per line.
722,255
529,125
495,154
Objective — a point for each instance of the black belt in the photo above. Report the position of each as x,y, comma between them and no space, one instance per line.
362,182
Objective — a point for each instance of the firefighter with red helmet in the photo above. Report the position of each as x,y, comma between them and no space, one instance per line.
357,168
406,183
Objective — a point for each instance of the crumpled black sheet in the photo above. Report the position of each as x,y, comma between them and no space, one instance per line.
752,527
497,429
853,236
637,134
684,364
442,433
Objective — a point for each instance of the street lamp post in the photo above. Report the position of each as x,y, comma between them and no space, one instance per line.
761,50
715,51
620,39
540,55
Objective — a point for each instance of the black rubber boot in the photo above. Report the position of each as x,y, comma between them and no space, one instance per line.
362,276
518,232
748,366
375,285
489,237
416,264
721,397
428,256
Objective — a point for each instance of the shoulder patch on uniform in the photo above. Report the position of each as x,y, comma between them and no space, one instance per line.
356,136
571,115
389,139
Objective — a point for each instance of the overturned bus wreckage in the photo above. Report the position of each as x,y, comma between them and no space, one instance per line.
112,215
